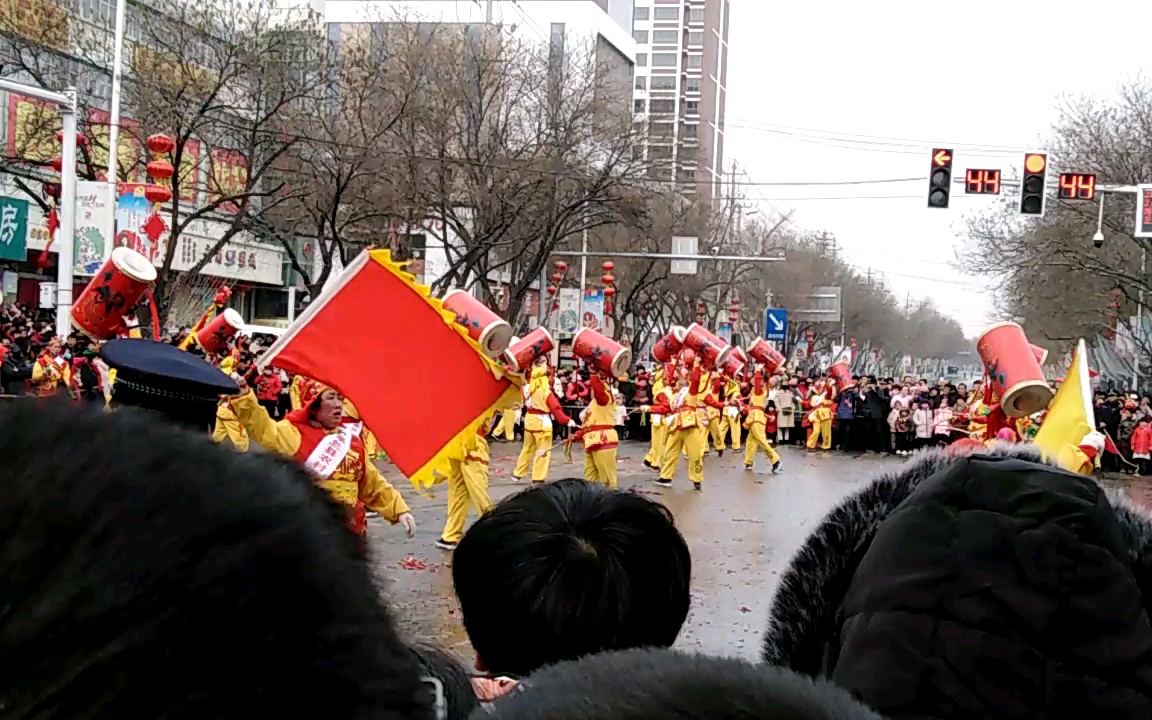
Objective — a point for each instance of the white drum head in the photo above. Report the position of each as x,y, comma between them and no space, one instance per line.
133,264
233,318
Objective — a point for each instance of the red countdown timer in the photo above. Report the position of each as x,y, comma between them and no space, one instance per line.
982,182
1076,186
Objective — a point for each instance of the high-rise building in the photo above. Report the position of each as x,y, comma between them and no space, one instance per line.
680,89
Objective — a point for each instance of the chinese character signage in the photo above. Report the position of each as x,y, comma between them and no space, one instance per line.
1143,211
13,228
93,225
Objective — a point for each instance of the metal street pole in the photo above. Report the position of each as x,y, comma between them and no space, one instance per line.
1139,321
64,252
114,126
583,276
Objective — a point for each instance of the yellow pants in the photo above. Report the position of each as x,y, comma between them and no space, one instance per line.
732,425
600,466
655,454
535,455
716,432
757,441
692,441
822,429
467,486
506,428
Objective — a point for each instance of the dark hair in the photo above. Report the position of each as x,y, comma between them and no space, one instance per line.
453,682
145,569
666,684
570,568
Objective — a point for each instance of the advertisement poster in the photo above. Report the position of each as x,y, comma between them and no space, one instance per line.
132,212
593,309
568,316
724,331
90,241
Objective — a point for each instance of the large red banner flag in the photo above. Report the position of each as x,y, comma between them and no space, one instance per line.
418,381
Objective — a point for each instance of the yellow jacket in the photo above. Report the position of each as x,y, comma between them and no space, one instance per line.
47,376
229,428
355,480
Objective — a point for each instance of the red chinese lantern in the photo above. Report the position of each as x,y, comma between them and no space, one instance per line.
58,164
551,289
159,169
52,190
733,318
607,266
555,306
157,194
557,277
607,279
736,302
560,266
80,139
160,143
609,291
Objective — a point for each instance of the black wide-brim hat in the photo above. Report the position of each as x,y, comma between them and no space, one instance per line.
162,378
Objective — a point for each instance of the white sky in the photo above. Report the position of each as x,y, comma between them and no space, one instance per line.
801,75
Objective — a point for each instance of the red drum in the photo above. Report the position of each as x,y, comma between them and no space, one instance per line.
840,375
687,359
668,346
607,356
710,349
521,354
112,294
483,325
733,364
766,355
1015,375
1040,353
214,336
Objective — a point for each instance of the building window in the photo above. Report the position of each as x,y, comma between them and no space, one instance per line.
691,131
638,107
662,131
688,174
695,16
660,153
640,36
692,85
641,82
694,62
692,107
663,82
665,37
641,59
640,13
696,38
663,60
663,107
668,13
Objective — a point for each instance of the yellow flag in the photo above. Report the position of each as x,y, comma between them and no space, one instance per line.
1070,416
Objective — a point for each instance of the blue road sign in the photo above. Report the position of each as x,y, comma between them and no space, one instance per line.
775,324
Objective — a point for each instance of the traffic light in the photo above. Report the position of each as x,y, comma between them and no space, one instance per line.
940,178
1032,186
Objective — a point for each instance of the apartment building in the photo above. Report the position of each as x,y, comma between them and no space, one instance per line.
680,89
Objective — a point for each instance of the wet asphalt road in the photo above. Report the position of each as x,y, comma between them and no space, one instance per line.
742,530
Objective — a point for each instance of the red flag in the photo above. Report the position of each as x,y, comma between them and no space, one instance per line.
420,384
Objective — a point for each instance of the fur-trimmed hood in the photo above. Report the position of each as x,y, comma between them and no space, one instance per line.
812,588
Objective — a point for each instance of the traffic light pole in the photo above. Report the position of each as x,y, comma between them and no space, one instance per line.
1140,335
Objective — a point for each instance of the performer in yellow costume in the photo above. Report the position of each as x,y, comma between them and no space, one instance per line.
661,395
506,428
820,417
330,449
686,431
51,371
540,408
730,422
599,434
229,428
302,389
712,410
467,485
757,438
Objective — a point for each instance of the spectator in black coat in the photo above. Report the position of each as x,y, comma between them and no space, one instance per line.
986,586
16,370
876,407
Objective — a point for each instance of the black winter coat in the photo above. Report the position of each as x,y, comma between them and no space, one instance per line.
985,586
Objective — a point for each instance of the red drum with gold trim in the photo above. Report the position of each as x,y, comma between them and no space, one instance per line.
484,326
112,294
521,354
710,349
840,375
1013,370
214,336
733,364
667,347
768,356
606,356
1040,353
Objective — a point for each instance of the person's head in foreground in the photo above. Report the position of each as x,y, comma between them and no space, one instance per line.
566,569
650,684
975,584
146,571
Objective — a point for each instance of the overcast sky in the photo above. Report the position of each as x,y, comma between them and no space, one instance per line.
833,91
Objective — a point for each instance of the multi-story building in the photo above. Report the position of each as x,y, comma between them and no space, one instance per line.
680,88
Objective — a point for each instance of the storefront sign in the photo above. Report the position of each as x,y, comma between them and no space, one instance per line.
13,228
